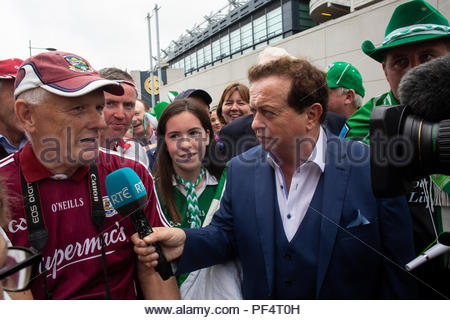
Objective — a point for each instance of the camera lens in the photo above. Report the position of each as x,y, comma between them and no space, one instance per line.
430,144
443,146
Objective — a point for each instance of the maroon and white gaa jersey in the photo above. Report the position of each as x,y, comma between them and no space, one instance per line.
72,254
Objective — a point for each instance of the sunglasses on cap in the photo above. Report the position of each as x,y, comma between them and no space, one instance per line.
16,274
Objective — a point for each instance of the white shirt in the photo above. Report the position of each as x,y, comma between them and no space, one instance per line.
294,205
135,152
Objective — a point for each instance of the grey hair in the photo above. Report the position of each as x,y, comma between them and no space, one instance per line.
358,101
272,53
115,74
35,96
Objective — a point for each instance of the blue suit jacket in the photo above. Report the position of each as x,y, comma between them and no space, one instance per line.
364,241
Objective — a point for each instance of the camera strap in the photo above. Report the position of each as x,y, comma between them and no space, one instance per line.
98,217
37,232
97,213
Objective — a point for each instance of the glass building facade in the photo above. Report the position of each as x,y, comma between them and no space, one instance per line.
248,27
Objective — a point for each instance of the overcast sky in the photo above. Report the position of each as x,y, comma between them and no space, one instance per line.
105,32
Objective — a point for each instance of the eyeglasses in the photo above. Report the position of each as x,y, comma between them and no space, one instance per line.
16,274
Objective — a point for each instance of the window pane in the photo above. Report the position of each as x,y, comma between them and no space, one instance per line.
225,46
207,51
200,57
193,61
187,64
235,40
216,50
259,27
274,22
246,35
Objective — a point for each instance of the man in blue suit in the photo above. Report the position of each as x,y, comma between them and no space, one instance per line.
298,210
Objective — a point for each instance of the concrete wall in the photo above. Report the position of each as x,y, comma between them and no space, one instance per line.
335,40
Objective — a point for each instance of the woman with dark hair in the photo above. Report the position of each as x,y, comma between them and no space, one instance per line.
234,102
184,162
235,137
190,185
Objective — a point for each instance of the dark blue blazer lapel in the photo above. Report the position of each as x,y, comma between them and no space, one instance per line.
266,206
335,183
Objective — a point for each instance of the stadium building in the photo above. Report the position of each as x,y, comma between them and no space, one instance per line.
221,48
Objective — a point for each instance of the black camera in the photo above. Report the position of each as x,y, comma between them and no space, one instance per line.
404,147
412,140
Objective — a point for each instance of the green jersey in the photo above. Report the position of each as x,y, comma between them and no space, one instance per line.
357,126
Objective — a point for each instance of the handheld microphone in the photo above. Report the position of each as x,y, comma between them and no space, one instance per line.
425,89
128,196
442,246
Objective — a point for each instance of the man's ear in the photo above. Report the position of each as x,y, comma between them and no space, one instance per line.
350,96
313,112
24,114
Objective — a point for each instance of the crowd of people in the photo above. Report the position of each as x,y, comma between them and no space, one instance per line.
257,197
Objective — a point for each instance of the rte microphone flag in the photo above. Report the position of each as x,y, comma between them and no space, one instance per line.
441,246
129,197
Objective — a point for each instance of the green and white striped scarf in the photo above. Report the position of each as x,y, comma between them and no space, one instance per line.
193,209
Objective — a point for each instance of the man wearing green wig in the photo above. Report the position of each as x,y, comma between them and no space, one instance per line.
416,33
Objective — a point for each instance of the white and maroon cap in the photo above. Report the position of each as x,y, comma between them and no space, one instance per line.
9,67
61,73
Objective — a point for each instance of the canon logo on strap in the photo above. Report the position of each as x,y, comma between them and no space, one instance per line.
94,187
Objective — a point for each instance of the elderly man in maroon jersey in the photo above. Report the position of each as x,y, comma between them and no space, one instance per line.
56,184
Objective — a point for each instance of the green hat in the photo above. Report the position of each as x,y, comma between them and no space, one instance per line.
172,95
344,74
158,109
413,21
